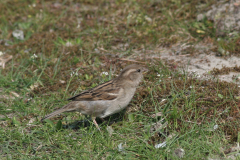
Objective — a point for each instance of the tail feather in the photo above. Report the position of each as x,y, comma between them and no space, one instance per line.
66,108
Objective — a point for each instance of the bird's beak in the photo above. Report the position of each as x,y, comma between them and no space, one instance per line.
145,70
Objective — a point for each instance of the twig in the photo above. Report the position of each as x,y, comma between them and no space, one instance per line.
123,59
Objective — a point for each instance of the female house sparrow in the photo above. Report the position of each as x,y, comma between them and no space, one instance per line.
107,98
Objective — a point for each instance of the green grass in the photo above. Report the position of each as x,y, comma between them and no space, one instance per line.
109,33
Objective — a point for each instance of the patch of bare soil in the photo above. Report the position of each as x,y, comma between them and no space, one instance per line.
204,66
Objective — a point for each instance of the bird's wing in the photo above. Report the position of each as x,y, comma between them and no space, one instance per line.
105,91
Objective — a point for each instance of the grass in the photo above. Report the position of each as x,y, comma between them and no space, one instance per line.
66,47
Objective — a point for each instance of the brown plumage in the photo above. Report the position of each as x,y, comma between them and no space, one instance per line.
105,91
107,98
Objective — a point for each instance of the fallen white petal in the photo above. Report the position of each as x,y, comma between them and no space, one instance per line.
104,73
120,147
215,127
161,145
1,53
18,34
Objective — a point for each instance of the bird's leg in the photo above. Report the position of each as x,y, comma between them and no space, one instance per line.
94,121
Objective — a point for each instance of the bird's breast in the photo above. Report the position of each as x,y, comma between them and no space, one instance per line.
119,103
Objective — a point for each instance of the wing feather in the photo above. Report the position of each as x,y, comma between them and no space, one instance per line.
105,91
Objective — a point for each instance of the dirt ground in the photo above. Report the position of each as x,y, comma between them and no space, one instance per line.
204,66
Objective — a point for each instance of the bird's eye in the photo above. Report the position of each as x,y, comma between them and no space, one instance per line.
139,70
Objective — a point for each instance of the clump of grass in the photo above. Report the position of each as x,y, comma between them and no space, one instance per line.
68,45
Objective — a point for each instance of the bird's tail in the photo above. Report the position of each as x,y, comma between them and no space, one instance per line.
66,108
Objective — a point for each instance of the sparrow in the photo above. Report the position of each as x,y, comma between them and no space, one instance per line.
107,98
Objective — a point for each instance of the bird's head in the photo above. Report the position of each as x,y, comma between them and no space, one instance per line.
132,74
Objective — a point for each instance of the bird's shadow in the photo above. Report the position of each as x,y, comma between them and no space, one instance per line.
87,122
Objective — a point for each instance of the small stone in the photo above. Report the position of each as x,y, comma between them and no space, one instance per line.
179,152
